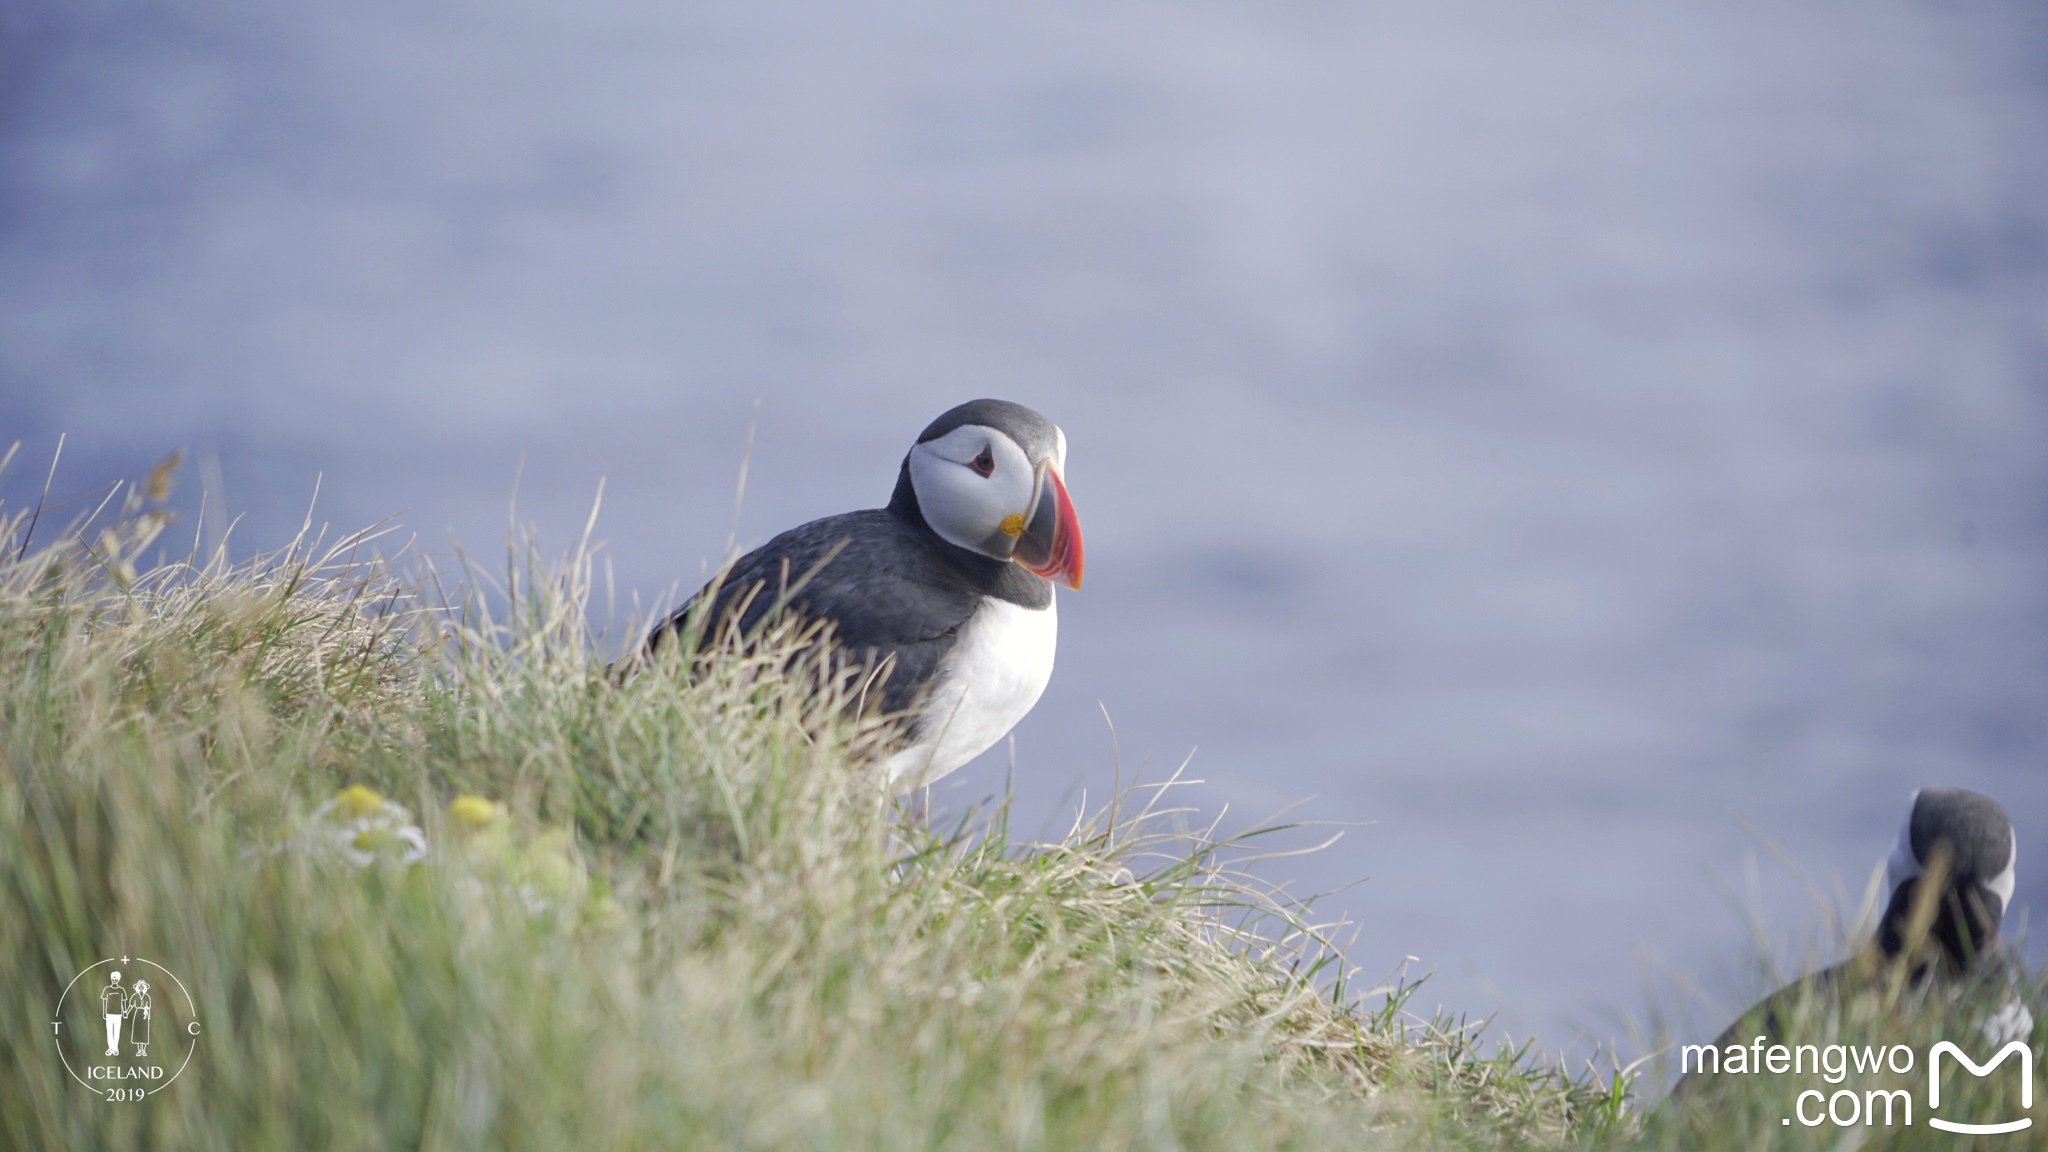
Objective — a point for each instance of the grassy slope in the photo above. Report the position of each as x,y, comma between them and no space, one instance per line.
688,918
685,919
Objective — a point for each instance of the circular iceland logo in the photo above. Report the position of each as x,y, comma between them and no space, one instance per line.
125,1028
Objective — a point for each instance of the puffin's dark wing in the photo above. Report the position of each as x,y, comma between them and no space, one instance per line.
886,590
1774,1015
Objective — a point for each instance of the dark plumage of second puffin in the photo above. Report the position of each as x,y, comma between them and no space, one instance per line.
946,591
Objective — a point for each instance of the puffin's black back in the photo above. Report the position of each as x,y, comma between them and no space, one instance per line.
895,591
1978,832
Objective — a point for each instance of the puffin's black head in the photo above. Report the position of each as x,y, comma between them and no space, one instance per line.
987,477
1961,844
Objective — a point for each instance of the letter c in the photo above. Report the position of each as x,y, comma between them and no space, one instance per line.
1800,1108
193,1028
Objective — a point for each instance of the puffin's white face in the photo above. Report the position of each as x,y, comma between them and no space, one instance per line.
1902,865
978,489
2003,882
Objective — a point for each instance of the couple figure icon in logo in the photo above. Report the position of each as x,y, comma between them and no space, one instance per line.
131,1005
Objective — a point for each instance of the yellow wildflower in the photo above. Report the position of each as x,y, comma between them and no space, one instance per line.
474,813
355,802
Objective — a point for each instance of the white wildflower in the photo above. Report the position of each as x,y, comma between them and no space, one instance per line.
361,827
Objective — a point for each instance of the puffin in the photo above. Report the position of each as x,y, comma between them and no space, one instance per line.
1948,882
944,595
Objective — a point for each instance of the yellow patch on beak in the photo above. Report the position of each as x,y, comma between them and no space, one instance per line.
1013,524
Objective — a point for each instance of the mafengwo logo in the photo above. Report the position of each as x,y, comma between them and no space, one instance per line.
125,1028
1846,1107
2026,1062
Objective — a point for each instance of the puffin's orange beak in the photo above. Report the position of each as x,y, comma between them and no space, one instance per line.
1050,545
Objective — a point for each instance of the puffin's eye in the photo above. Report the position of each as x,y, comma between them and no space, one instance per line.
985,463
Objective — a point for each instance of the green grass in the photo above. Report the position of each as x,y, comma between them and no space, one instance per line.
670,910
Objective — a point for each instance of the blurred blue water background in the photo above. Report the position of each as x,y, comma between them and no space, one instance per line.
1548,436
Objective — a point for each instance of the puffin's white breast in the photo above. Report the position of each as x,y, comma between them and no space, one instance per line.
996,671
